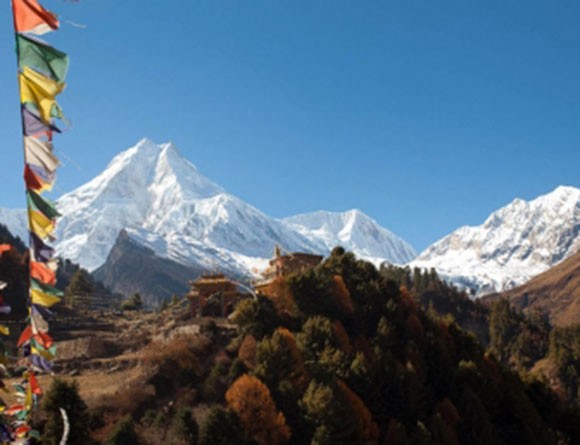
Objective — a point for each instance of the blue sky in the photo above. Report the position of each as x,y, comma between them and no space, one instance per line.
425,115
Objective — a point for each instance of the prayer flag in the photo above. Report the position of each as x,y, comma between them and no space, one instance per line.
42,57
37,202
14,409
40,363
29,16
40,224
34,384
47,178
41,252
43,272
46,354
37,179
33,125
39,153
44,312
40,91
4,330
47,289
25,336
43,298
38,323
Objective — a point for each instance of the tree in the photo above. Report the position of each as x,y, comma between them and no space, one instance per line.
221,427
320,348
253,403
278,359
134,303
340,416
65,395
81,283
123,433
257,317
184,427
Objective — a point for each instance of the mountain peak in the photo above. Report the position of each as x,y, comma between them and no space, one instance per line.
515,243
356,230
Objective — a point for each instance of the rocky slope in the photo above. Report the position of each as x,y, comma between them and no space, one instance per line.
555,292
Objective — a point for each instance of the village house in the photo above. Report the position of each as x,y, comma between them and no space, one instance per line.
213,295
284,265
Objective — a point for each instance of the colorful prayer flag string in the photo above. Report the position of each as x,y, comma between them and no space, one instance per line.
42,71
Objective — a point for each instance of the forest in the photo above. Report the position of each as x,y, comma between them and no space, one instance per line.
343,354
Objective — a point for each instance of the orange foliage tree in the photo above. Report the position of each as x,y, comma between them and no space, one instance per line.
341,295
247,351
367,430
253,403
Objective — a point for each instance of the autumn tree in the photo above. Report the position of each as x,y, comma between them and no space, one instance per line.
252,401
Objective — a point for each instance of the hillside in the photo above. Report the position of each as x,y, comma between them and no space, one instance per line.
555,292
340,354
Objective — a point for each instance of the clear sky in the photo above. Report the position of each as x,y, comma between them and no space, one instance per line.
426,115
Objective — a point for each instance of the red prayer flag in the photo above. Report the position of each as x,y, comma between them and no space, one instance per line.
30,16
4,248
42,273
44,340
34,386
32,181
25,336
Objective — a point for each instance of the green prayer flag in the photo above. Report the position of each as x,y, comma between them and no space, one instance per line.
37,202
45,288
41,57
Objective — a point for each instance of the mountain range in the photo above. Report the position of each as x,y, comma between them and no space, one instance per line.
514,244
153,208
151,200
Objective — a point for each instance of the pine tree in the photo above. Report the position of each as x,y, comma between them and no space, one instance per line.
123,433
184,427
81,283
221,427
65,395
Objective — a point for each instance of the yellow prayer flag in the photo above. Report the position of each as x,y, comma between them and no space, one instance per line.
40,224
40,91
4,330
28,399
44,353
43,299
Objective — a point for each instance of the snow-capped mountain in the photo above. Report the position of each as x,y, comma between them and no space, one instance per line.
165,204
514,244
15,221
356,230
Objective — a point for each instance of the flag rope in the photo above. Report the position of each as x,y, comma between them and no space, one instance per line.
41,72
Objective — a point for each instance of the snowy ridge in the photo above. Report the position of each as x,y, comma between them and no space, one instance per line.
164,203
356,230
514,244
